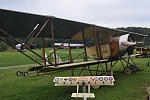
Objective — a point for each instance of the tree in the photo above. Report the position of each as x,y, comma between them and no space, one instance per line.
3,46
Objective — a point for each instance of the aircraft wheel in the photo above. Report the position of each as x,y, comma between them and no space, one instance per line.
144,55
18,73
25,74
95,86
136,56
148,63
128,70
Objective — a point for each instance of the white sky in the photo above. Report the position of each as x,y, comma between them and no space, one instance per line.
107,13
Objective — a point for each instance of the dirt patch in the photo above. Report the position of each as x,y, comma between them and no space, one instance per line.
147,91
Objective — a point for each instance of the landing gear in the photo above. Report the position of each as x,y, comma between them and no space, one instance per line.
148,63
25,74
95,86
137,56
18,73
145,55
128,70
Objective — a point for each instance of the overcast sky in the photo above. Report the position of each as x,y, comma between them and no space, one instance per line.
107,13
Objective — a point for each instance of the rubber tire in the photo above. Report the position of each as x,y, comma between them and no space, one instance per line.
25,74
136,56
95,86
128,70
18,73
148,63
144,55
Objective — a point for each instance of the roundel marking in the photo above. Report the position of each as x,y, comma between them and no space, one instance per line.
105,78
70,79
61,79
96,78
74,79
56,79
110,78
92,78
101,78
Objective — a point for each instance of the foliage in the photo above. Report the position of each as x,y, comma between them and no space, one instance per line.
3,46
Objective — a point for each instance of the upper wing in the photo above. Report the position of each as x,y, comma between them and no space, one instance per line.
19,24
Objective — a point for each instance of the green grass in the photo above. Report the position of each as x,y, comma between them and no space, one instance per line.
127,87
14,58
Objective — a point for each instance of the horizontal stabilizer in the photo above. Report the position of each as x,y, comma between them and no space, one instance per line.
92,80
83,95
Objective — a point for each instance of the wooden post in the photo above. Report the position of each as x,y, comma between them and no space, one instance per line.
53,41
43,50
20,43
39,32
99,47
95,41
57,48
20,51
108,37
70,55
84,41
111,67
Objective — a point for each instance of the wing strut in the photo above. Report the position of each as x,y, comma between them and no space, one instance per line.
39,32
32,33
20,51
53,41
84,41
95,42
21,44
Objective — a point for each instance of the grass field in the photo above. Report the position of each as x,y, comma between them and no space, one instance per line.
14,58
12,87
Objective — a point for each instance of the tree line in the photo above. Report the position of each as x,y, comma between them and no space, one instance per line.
38,43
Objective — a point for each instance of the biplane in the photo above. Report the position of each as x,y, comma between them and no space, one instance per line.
101,44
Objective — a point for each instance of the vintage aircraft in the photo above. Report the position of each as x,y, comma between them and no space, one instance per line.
102,44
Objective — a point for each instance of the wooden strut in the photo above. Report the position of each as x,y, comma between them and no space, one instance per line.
99,47
84,41
21,44
79,55
43,50
70,55
111,66
57,48
53,41
84,67
95,41
20,51
39,32
32,33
